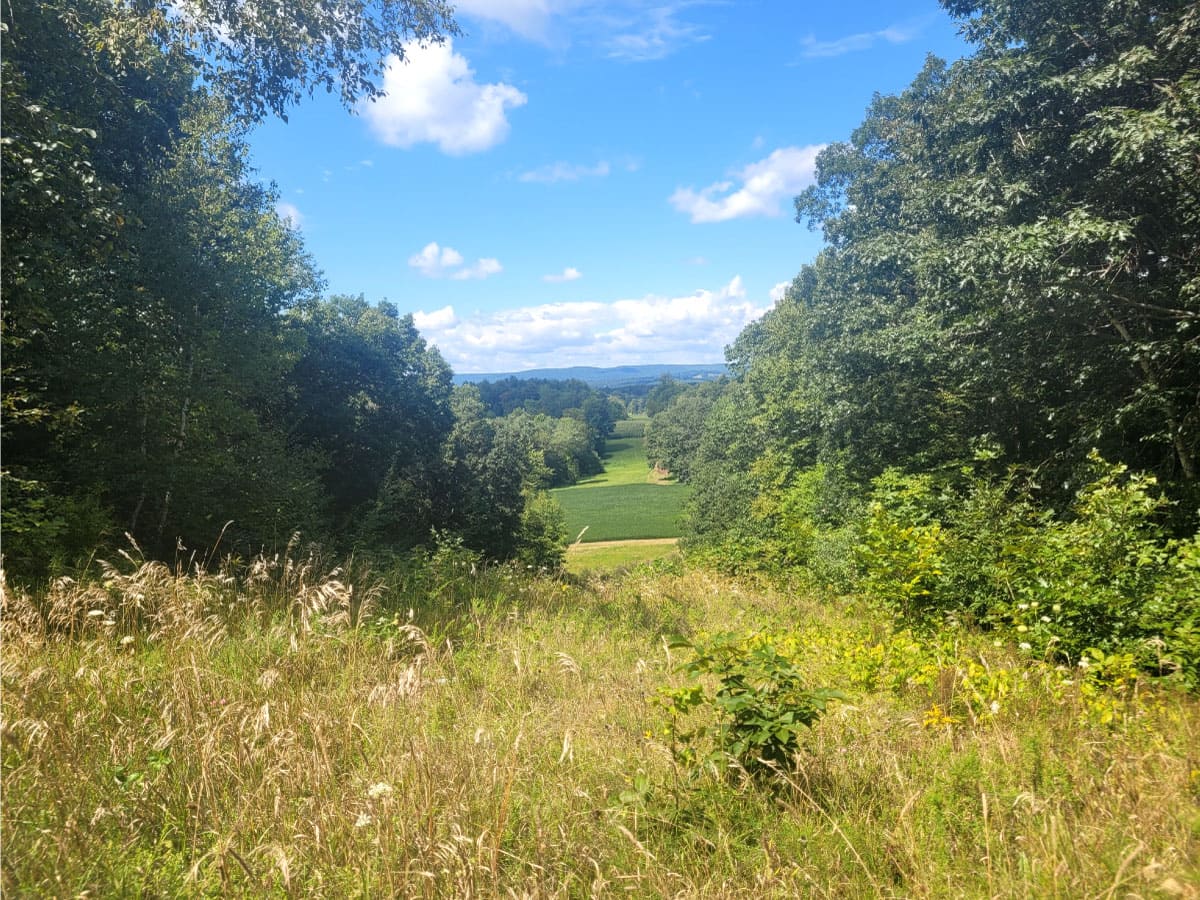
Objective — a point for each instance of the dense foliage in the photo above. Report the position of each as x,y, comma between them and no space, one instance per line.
568,398
170,368
1009,295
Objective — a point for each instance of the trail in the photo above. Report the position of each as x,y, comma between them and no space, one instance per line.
644,541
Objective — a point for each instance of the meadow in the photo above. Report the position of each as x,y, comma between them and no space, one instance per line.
627,501
444,728
608,556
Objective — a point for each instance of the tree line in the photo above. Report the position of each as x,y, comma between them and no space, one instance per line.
173,369
993,366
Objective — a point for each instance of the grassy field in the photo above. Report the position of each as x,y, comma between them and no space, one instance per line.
624,459
623,512
627,501
607,556
469,732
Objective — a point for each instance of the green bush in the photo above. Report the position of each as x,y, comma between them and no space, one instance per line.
543,540
45,533
902,547
1100,576
756,715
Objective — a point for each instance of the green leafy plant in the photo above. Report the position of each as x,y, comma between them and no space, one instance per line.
757,713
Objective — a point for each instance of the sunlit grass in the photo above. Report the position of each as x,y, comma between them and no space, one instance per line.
625,458
451,731
624,511
627,501
606,557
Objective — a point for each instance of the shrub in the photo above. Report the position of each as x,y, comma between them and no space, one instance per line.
902,547
756,715
1100,576
543,540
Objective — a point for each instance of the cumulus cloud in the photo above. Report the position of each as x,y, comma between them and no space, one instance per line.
570,273
291,216
561,171
757,190
435,261
432,97
482,269
437,320
694,327
779,290
863,40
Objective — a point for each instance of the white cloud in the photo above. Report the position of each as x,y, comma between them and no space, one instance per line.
561,171
432,97
779,290
482,269
529,18
435,261
657,35
759,188
692,328
291,216
570,273
863,40
437,320
628,30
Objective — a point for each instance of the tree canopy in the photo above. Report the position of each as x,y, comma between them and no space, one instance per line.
1012,265
170,368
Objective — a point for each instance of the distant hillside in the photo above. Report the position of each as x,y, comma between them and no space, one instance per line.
612,377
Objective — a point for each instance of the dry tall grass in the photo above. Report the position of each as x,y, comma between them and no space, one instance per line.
288,729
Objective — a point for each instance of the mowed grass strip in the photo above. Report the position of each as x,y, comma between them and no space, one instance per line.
624,502
608,556
625,457
624,511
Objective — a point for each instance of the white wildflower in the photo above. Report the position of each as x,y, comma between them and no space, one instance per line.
380,789
363,820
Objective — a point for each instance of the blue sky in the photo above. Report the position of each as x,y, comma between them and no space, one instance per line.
591,183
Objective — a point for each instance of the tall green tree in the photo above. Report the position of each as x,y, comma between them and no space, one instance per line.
145,271
1033,212
491,465
370,397
1012,265
674,434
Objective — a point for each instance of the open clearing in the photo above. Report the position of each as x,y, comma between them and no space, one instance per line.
476,734
627,501
610,555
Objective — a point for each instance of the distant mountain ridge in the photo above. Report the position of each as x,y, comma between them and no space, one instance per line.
610,377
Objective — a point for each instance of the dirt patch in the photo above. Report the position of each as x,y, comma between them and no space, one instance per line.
644,541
